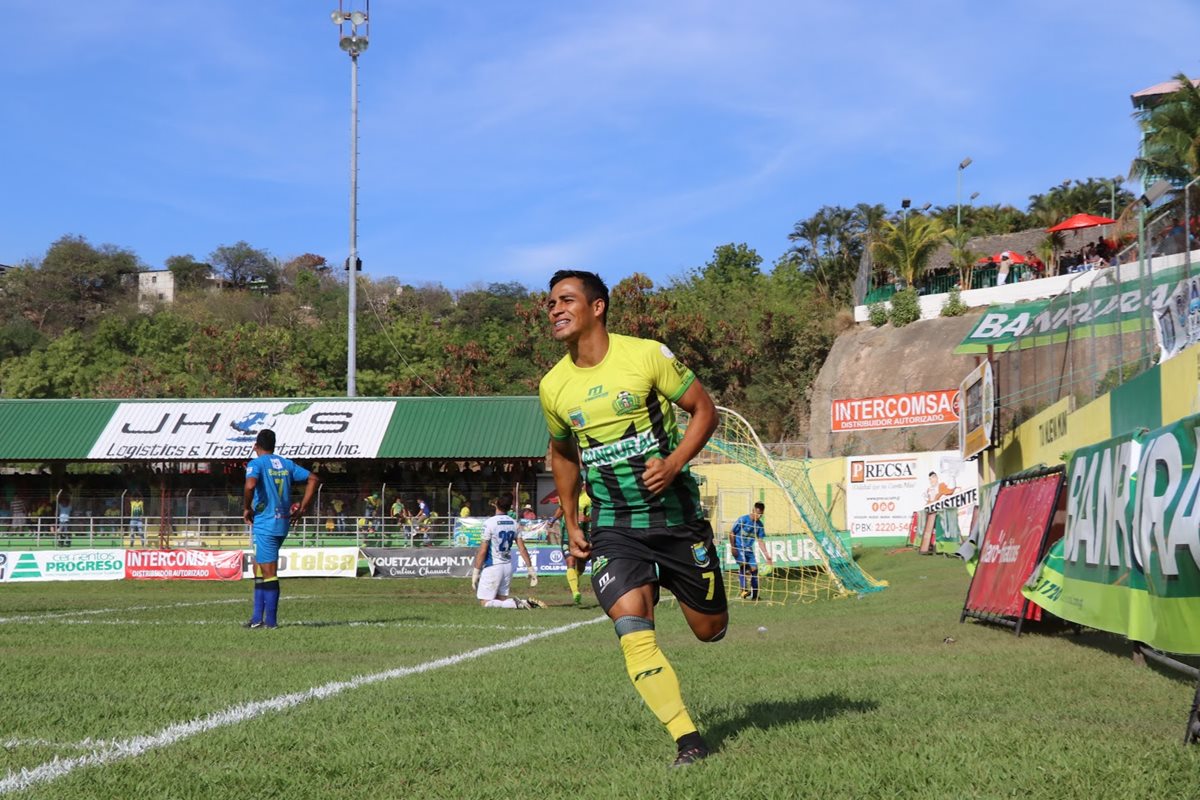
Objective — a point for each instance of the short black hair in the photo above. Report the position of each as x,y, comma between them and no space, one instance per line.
265,440
503,502
761,508
933,474
593,286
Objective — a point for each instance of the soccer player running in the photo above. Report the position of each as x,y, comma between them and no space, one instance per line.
742,538
607,404
492,575
268,509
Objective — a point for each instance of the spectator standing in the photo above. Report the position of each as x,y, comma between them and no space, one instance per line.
137,521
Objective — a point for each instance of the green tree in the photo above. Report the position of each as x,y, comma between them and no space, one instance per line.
189,273
906,245
241,265
1171,136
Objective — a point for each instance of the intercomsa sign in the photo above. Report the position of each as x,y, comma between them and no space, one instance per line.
896,411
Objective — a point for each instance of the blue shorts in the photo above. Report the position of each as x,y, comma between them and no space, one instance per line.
266,546
745,555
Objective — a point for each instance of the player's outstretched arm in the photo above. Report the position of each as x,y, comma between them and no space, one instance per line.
697,402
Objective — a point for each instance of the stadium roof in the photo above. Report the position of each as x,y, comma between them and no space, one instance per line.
332,429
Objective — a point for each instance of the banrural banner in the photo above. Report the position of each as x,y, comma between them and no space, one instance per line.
62,565
1100,310
190,565
468,531
1177,320
1130,560
310,562
884,492
784,551
895,411
226,430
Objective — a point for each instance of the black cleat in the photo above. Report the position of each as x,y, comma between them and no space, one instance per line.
690,755
252,625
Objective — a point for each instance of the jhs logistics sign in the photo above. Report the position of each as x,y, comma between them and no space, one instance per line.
226,430
896,411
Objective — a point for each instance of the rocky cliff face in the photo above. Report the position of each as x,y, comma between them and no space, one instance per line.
869,362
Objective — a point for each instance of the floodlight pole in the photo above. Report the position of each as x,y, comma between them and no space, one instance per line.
353,44
352,264
966,162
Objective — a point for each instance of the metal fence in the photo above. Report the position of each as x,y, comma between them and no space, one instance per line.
341,515
1096,334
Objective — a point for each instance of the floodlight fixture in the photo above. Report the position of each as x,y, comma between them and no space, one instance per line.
1155,193
974,195
905,203
966,162
337,17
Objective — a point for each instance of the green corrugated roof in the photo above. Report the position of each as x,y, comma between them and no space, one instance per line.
466,427
48,430
420,427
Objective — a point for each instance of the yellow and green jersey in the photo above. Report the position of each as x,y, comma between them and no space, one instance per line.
621,415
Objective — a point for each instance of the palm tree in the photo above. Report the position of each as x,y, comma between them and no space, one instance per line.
1171,136
906,246
962,257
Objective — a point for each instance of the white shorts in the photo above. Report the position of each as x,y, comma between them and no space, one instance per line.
494,581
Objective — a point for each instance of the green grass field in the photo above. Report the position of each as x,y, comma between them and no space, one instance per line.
116,690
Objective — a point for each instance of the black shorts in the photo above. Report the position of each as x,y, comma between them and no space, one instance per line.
681,558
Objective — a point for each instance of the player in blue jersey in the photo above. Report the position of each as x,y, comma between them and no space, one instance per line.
492,575
268,509
742,538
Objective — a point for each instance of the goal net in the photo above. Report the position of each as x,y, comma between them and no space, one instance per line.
803,557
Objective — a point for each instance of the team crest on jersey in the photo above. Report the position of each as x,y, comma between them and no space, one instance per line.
700,554
578,420
626,403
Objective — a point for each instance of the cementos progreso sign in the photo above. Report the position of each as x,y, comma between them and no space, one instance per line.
895,411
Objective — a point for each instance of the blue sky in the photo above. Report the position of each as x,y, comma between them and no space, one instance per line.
503,140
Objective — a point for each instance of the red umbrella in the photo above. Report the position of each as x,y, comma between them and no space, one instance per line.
1013,257
1080,221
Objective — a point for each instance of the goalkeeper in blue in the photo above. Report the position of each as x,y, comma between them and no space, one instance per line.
742,539
269,510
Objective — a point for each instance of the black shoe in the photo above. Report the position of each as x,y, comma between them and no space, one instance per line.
690,755
252,624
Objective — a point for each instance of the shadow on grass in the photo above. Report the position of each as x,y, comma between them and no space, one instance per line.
1113,644
769,713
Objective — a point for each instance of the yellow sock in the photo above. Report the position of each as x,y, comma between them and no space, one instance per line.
655,681
573,579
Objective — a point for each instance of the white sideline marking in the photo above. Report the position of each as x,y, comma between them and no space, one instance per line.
311,624
94,611
85,744
112,751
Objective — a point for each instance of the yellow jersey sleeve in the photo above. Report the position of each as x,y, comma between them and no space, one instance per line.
667,373
557,427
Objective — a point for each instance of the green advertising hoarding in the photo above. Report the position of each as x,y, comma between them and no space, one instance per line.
1130,560
1099,310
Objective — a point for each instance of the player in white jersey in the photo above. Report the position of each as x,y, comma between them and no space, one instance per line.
493,570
